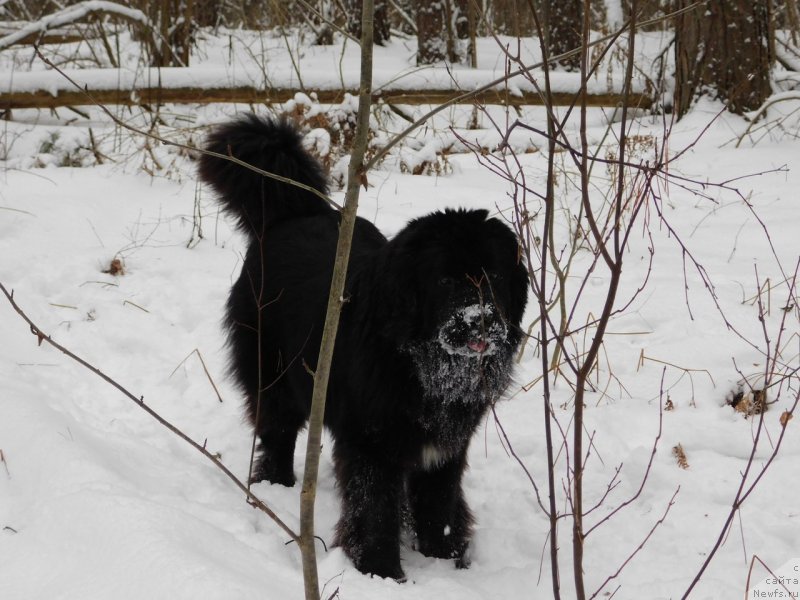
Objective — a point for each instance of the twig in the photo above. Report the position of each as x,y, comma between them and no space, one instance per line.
17,210
777,580
639,547
753,117
128,302
517,458
647,470
5,464
643,357
202,362
543,315
63,305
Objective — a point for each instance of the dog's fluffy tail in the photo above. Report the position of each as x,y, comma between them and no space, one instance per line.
255,200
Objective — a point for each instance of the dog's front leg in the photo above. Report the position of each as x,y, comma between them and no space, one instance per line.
369,527
442,519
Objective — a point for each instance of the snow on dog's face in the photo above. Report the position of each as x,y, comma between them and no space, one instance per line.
473,331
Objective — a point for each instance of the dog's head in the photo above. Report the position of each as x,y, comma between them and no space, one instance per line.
456,286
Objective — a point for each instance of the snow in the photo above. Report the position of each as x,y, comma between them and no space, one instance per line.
248,59
97,500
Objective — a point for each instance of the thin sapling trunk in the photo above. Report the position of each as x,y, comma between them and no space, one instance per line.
355,176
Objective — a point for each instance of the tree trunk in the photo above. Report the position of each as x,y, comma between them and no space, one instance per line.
563,22
207,13
649,9
460,19
723,46
356,176
381,33
508,17
182,31
431,35
445,31
170,44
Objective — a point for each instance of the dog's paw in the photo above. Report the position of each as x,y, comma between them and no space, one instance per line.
266,472
446,547
380,567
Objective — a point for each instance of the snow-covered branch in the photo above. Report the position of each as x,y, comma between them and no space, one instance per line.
73,14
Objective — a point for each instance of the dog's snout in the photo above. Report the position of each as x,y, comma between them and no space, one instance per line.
479,316
478,345
475,329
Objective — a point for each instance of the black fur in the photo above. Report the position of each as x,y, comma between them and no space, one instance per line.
424,344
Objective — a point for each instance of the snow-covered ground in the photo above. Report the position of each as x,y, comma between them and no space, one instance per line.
97,500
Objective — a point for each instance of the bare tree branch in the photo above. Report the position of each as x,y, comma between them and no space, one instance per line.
201,448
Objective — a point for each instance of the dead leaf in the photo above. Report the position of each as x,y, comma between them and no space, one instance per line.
680,455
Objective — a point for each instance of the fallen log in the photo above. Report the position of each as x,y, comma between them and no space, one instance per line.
251,95
49,89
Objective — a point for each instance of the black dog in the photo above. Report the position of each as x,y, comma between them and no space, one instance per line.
424,347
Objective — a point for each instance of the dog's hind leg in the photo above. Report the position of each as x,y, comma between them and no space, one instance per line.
276,425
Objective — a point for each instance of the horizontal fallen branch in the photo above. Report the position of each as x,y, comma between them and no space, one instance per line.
251,95
48,89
